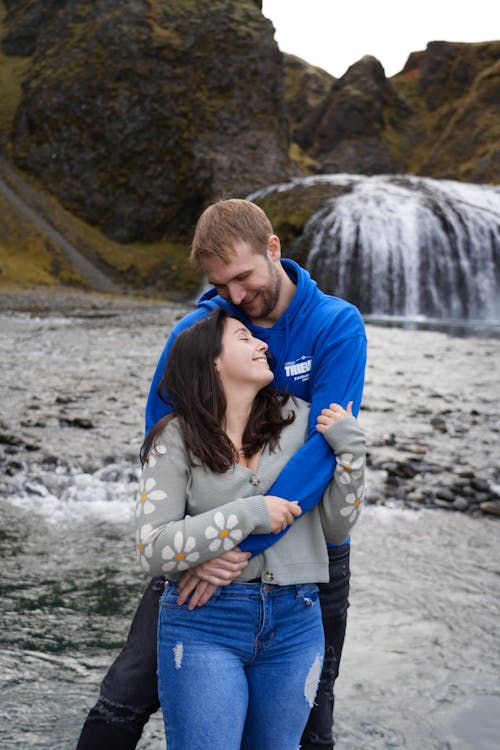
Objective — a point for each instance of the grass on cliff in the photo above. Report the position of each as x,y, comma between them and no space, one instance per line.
157,267
27,255
153,268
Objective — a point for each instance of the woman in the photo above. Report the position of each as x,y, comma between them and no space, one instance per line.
241,671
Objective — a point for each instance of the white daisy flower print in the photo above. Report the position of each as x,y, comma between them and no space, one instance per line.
349,469
159,450
147,494
353,509
183,553
225,535
145,547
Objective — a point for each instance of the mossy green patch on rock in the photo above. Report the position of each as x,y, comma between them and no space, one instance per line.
289,210
468,141
12,73
27,255
157,268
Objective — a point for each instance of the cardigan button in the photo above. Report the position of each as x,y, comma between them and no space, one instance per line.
268,576
254,480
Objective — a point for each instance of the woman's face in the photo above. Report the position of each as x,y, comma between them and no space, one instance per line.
242,360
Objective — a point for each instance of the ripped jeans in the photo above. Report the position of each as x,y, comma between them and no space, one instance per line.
129,695
241,671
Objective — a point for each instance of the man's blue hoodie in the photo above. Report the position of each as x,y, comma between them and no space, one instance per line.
318,347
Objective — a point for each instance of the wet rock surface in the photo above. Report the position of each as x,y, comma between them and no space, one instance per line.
77,369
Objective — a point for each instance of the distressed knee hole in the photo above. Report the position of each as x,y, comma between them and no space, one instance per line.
178,650
312,680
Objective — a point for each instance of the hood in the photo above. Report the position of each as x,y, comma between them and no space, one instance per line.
299,306
297,309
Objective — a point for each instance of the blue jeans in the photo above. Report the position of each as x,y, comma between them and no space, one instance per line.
242,671
129,694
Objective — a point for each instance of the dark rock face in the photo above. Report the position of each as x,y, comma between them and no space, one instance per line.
345,133
306,87
438,117
137,114
468,146
455,94
446,70
25,19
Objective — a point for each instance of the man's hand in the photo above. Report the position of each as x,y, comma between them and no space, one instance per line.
201,593
202,580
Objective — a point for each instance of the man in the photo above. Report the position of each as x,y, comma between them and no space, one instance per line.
319,347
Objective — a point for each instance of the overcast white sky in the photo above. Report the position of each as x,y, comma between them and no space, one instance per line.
334,34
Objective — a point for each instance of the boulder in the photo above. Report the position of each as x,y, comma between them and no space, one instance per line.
346,131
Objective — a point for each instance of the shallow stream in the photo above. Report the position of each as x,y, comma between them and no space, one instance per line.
421,664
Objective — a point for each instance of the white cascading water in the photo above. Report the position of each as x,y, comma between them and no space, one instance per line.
407,246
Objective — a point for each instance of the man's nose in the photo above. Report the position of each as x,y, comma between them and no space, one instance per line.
237,293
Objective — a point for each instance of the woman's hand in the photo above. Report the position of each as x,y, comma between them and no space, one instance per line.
334,413
282,512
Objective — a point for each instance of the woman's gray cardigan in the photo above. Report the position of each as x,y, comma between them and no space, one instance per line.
186,515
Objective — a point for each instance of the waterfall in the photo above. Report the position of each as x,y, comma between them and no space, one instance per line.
406,246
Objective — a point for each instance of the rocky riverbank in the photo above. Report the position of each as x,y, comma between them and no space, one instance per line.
432,412
69,301
77,368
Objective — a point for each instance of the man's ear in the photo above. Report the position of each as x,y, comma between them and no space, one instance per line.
274,247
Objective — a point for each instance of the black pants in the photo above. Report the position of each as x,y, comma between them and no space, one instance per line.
129,690
334,598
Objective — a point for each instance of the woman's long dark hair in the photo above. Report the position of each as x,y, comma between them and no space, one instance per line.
192,387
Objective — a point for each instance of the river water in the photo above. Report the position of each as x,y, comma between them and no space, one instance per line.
421,664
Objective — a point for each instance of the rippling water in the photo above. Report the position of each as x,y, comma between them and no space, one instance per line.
421,663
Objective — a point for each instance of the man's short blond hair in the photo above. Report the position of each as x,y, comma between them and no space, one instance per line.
227,222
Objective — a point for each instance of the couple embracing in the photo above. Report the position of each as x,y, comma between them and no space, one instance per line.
253,476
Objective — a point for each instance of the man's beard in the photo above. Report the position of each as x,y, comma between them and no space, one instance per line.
267,298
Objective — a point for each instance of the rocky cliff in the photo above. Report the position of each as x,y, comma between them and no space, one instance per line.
136,114
439,117
459,85
348,130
